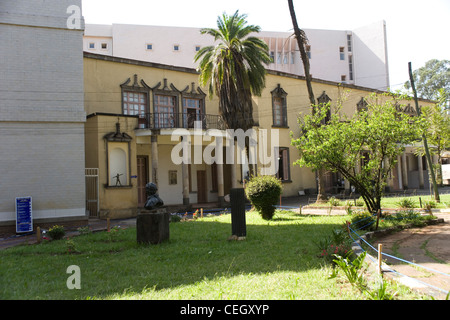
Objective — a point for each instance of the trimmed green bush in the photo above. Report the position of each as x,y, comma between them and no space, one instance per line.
264,192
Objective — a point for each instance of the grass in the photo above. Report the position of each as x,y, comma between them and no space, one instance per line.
278,260
391,202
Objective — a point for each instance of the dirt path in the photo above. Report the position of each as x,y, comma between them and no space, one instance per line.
429,247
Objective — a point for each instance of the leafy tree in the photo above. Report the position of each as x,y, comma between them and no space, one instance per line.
436,127
362,147
234,68
432,77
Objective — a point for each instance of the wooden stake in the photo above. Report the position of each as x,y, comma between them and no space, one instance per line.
380,247
201,212
107,224
38,234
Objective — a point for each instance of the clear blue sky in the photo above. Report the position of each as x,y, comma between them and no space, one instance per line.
417,30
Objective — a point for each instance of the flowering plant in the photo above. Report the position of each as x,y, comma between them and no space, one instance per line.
331,250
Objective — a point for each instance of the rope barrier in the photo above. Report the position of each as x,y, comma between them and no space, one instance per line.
393,257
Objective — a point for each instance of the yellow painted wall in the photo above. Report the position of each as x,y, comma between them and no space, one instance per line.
103,95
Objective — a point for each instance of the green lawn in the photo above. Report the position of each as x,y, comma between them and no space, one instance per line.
278,260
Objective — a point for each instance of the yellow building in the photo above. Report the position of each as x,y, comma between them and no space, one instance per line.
138,113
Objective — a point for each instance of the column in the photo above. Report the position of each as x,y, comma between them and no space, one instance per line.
420,166
185,173
154,141
404,171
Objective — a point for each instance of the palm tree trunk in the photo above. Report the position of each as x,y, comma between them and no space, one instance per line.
301,38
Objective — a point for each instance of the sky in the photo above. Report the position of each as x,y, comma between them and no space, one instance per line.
417,30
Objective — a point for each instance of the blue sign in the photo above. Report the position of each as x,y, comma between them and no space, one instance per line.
24,216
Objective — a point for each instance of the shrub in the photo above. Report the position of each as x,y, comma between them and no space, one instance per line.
334,202
264,192
363,221
406,203
56,232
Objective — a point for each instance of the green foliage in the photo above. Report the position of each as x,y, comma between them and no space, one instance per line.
334,202
431,78
56,232
369,138
406,203
353,269
264,192
234,68
363,221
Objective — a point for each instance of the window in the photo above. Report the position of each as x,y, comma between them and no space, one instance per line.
172,177
279,58
91,45
165,116
283,172
286,58
104,46
341,53
134,103
308,51
343,78
279,109
350,67
149,46
176,47
292,57
272,56
192,111
349,43
197,48
278,115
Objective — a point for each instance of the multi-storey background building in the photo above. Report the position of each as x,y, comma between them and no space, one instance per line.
356,56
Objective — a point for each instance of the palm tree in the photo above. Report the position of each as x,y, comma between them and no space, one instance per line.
234,68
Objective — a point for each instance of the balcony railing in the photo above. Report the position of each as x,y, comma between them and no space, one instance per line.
169,120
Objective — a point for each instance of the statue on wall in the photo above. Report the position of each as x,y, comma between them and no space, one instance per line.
153,199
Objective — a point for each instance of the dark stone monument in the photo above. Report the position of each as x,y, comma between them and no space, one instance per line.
237,200
152,224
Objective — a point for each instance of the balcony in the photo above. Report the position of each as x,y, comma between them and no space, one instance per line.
170,120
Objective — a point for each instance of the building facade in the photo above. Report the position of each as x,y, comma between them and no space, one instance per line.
356,56
42,110
139,113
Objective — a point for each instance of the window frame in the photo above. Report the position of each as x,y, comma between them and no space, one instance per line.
279,93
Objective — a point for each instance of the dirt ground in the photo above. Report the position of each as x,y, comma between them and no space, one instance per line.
429,247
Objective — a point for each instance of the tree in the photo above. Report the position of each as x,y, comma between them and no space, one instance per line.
436,129
363,147
234,68
302,40
432,77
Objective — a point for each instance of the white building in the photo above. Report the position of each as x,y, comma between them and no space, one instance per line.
42,113
356,57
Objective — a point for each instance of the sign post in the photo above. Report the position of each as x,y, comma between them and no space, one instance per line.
24,215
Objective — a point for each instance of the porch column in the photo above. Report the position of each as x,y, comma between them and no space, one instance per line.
404,171
420,166
399,173
220,187
154,140
185,173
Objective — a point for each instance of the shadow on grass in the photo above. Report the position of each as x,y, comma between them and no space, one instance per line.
197,250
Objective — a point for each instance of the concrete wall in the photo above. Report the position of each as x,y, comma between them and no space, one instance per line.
42,109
